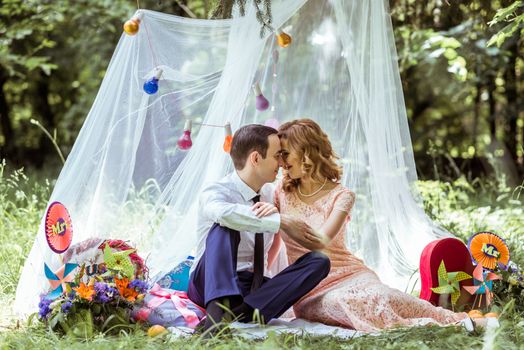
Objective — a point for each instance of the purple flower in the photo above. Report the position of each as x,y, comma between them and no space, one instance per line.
43,307
71,295
103,298
100,287
66,306
139,285
104,293
503,267
112,291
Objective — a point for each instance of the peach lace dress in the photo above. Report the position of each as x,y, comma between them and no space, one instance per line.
352,295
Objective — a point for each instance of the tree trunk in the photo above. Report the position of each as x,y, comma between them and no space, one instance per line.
492,119
510,138
7,151
476,116
42,108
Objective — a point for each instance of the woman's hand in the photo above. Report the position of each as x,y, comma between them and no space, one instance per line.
301,232
262,209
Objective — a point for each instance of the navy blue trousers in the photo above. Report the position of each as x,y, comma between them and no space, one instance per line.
216,276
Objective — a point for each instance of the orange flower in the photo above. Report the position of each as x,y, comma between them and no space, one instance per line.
121,283
85,291
130,294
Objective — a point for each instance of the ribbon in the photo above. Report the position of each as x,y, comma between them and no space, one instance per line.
179,299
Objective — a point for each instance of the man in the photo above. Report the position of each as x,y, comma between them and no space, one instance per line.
234,242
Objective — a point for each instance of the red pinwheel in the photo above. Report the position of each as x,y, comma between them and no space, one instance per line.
58,228
483,284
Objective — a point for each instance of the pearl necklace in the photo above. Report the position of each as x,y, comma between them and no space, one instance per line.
314,193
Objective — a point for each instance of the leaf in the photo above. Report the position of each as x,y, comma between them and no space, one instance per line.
504,13
96,309
53,321
503,34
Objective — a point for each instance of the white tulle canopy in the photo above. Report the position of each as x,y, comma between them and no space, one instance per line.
126,178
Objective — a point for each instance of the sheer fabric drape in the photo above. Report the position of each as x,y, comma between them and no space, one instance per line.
126,179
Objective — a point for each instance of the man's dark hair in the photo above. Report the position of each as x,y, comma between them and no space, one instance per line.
249,138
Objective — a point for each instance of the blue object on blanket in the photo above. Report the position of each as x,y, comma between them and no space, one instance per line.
178,278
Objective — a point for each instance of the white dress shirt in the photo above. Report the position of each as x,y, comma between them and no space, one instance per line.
228,202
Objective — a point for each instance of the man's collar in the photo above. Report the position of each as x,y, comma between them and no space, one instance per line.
247,192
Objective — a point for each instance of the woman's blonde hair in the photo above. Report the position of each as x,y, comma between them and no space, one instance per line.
313,148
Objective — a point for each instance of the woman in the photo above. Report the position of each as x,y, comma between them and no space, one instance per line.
352,295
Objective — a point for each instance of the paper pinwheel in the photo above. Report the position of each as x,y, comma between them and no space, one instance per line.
58,228
487,249
59,278
119,261
483,283
448,282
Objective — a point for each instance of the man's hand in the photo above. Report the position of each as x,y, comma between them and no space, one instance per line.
262,209
301,232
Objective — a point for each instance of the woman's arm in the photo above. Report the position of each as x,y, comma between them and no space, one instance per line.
332,226
274,250
341,209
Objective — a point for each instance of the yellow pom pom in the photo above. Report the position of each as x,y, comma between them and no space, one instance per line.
131,26
492,314
156,330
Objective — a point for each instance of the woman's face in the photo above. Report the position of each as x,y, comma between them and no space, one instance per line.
292,164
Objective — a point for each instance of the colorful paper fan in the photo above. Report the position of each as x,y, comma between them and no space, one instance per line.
58,228
487,249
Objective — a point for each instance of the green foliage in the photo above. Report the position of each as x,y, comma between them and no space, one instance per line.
24,30
224,9
52,59
514,16
461,93
22,203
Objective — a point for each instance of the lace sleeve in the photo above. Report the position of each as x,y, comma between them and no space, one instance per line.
344,201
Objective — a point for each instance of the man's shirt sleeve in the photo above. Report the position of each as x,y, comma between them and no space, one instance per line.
216,206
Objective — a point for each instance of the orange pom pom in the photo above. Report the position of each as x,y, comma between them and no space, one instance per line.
475,314
283,39
227,143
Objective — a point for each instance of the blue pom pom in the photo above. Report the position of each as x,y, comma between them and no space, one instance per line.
151,86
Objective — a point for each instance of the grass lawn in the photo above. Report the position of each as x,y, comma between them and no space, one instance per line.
461,207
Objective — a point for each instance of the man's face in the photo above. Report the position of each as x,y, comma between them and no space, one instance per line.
268,167
291,162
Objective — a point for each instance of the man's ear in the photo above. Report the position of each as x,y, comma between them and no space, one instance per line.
254,158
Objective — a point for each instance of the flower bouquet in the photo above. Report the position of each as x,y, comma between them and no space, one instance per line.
102,303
